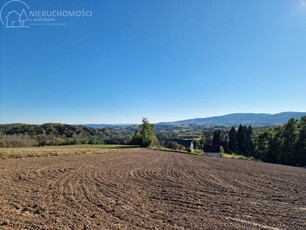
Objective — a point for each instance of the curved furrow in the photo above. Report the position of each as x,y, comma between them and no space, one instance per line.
146,189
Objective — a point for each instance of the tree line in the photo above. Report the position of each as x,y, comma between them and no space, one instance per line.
25,135
284,144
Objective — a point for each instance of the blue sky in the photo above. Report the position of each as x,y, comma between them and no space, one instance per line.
164,60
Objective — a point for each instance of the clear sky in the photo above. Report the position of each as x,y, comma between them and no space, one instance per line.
161,59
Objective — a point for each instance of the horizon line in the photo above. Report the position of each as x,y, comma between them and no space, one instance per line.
128,124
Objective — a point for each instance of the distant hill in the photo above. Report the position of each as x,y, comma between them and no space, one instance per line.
254,119
101,126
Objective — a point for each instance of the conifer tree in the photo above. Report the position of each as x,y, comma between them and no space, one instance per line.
241,137
290,137
232,140
300,153
217,138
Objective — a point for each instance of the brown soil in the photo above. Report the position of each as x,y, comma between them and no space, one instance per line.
144,189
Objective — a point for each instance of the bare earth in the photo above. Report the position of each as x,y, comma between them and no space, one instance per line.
144,189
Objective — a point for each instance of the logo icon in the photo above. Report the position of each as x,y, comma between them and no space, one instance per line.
14,14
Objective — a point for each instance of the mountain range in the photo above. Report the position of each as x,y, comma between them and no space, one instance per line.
254,119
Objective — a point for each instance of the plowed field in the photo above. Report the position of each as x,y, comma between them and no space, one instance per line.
144,189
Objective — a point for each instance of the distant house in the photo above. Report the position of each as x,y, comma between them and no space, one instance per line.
212,150
188,144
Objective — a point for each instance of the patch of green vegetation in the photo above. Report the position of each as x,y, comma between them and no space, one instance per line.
198,151
6,153
106,146
236,156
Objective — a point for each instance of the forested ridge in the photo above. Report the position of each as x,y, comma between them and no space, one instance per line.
25,135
